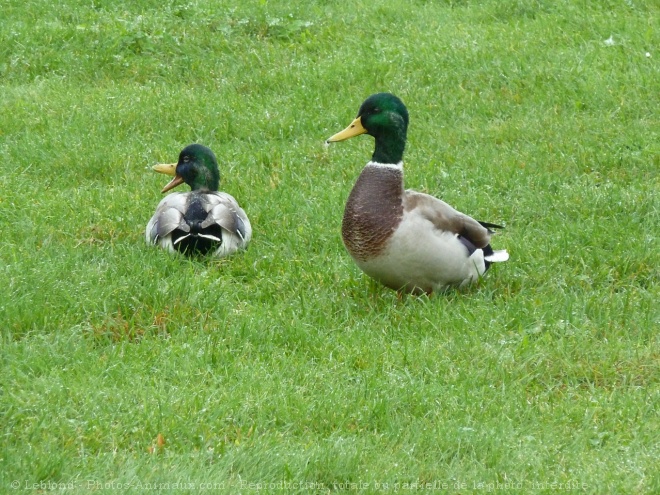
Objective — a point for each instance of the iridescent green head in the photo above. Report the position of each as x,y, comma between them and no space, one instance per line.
197,167
385,117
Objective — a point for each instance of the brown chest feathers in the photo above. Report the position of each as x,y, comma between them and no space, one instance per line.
373,211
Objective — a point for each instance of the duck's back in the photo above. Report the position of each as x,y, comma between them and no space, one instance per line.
199,223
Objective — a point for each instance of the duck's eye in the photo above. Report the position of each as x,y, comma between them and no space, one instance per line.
376,110
186,159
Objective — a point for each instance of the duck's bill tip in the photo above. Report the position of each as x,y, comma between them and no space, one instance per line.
165,168
354,129
172,184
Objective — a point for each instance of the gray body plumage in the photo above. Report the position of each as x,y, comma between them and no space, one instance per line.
199,222
410,240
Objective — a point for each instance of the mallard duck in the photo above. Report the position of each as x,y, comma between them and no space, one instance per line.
408,241
203,220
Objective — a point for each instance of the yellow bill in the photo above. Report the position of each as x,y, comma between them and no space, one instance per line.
165,168
173,183
169,169
355,129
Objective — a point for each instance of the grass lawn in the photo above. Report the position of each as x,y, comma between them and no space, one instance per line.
284,369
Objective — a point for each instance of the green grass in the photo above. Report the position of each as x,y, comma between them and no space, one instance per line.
285,364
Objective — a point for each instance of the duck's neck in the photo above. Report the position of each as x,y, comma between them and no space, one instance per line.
200,177
390,144
205,182
374,209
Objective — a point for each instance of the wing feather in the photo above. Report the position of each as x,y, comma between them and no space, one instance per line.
446,218
208,211
167,218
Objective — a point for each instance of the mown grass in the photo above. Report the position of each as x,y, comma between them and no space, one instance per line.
285,364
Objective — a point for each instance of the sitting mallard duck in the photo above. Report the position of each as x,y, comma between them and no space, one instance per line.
200,221
407,240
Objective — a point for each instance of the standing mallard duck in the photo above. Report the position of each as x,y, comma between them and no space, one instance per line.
200,221
407,240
